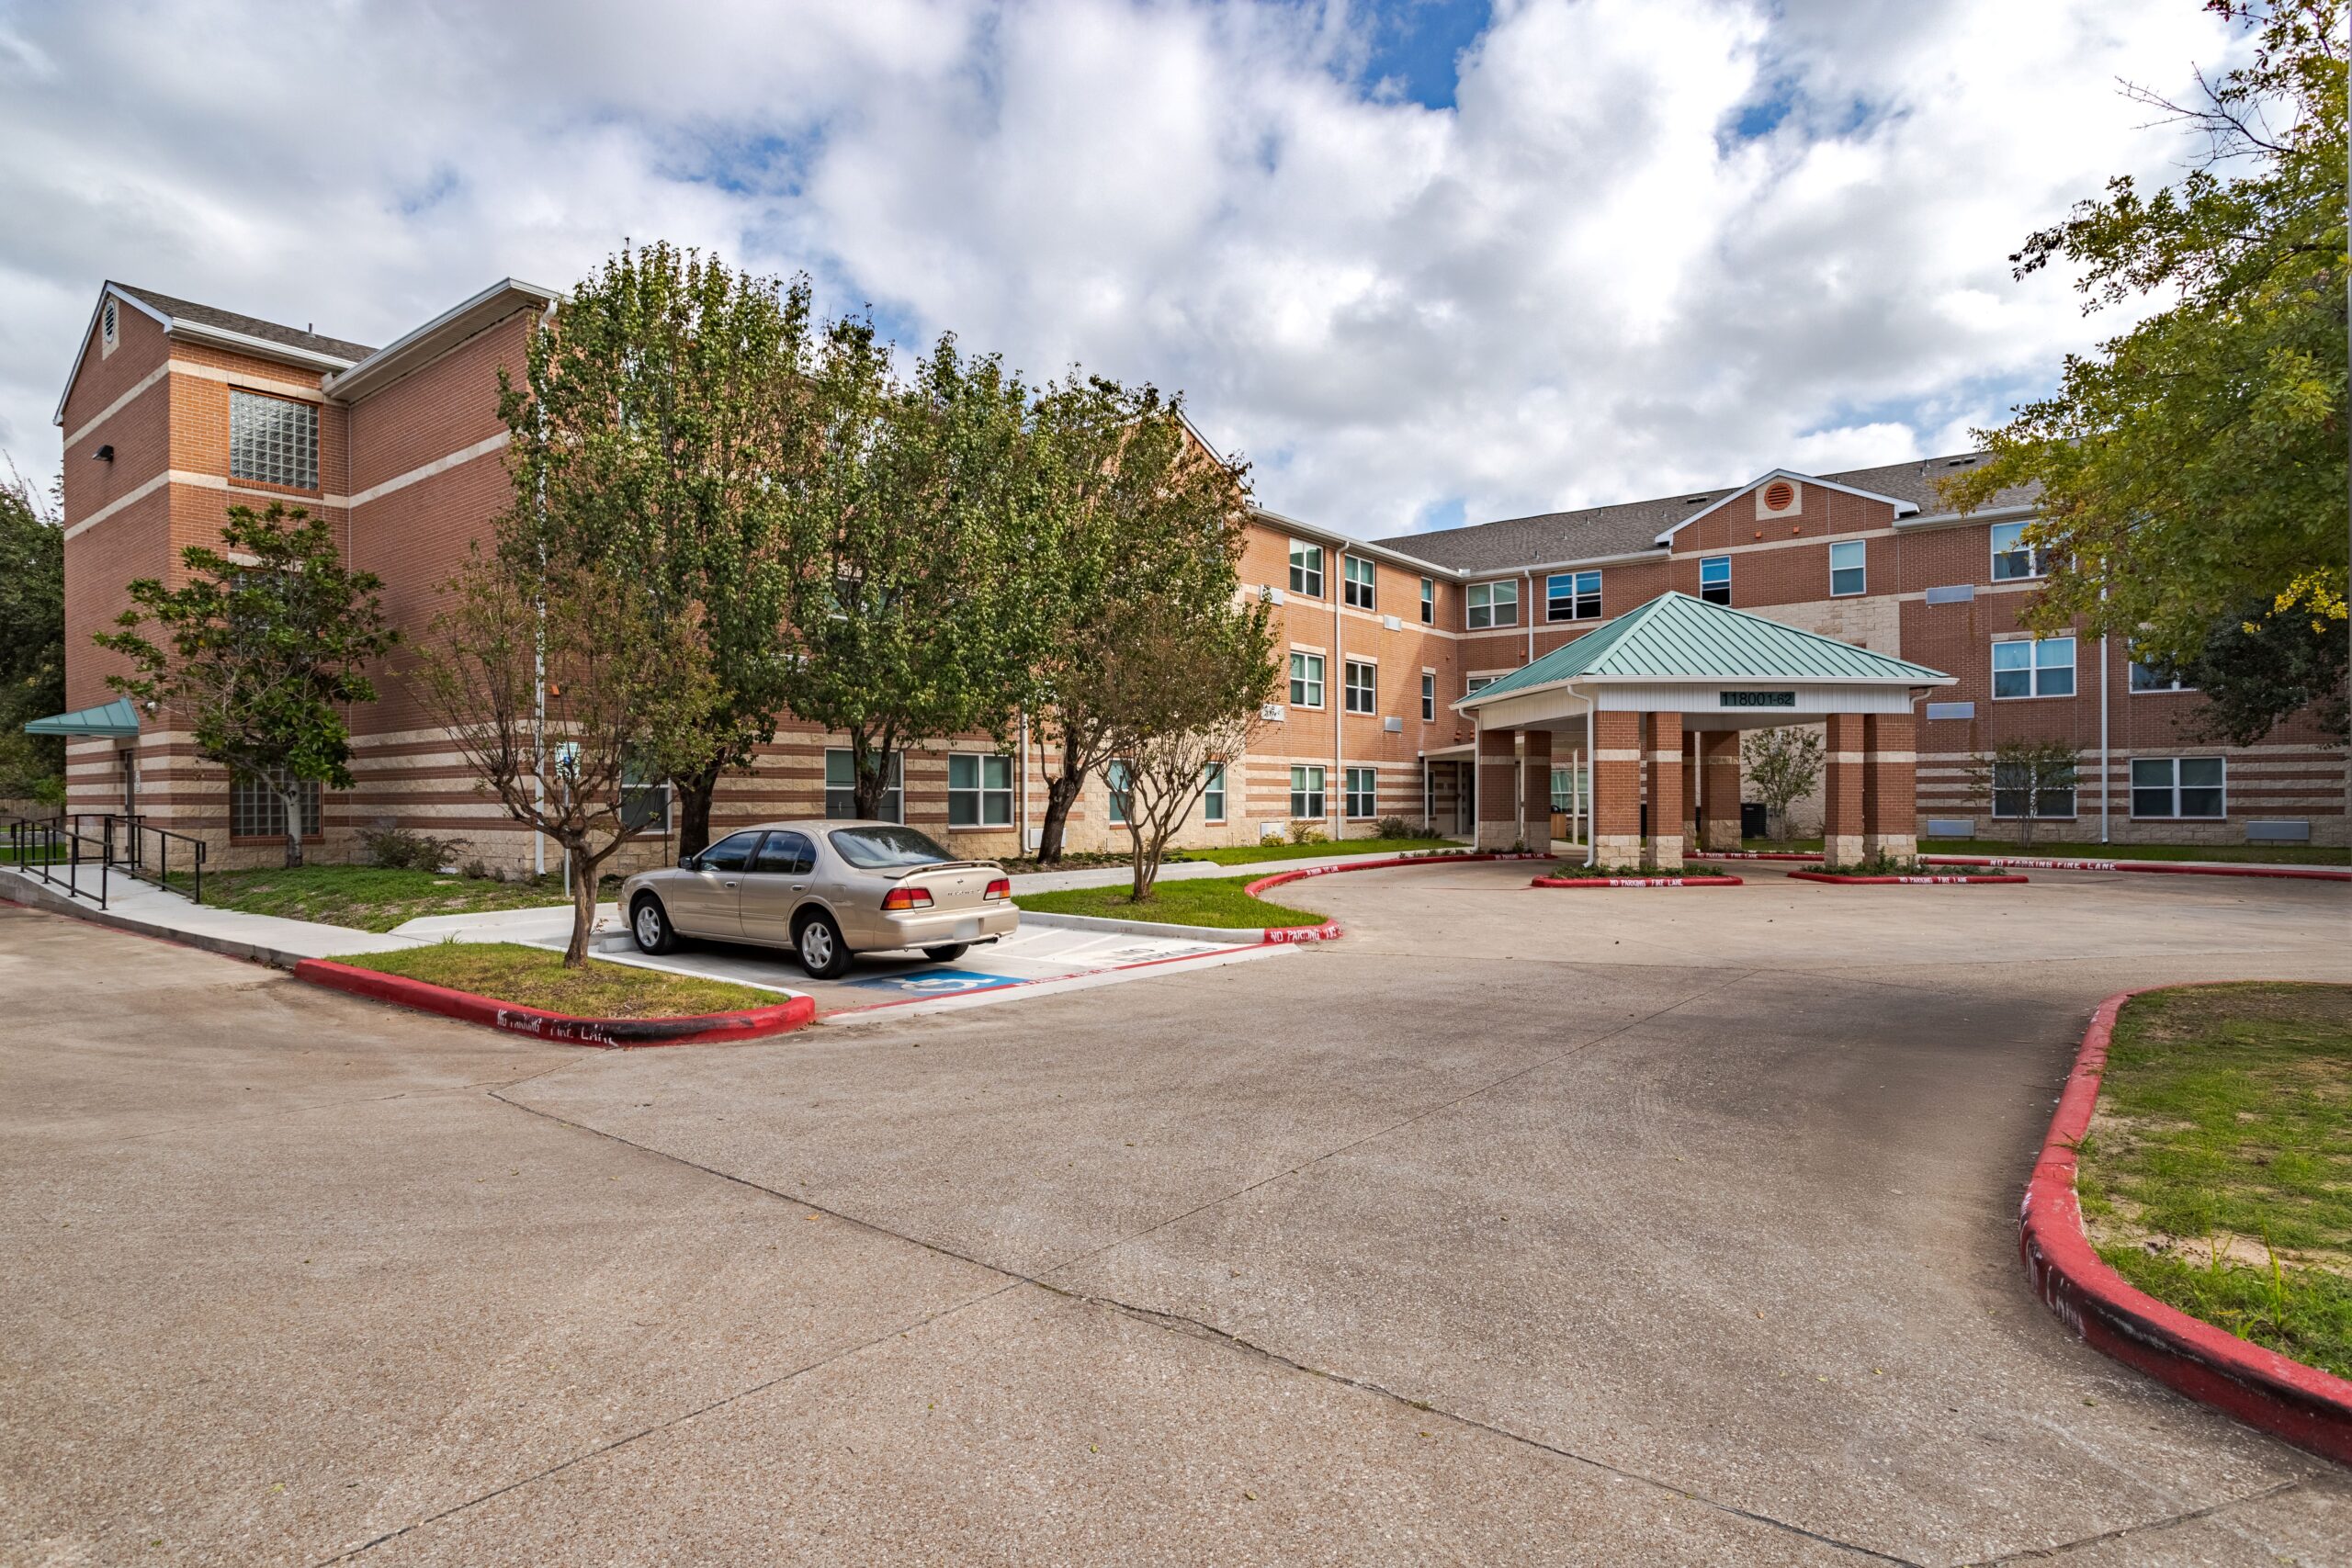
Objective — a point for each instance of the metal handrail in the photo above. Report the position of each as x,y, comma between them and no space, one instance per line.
126,836
25,837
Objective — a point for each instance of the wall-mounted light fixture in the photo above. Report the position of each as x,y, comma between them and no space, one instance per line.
104,454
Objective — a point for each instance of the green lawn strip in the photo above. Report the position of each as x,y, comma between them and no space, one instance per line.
2259,854
366,897
1203,901
2218,1173
535,977
1251,854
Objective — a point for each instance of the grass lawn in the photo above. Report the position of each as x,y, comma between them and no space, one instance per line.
2218,1172
1204,901
1251,854
535,977
2256,854
366,897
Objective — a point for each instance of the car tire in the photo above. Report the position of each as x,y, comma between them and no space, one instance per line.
649,924
947,951
817,943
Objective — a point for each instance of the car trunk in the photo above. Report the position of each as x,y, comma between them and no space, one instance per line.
957,885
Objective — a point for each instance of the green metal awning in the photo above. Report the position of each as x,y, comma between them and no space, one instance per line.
116,718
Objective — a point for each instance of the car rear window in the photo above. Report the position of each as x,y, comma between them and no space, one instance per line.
886,849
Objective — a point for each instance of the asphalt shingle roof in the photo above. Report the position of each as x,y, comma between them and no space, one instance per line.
1675,637
1631,527
251,326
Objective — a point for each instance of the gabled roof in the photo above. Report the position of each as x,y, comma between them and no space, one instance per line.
1677,637
1599,533
248,334
1902,508
420,346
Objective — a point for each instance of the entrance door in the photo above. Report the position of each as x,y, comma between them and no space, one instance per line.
774,886
705,901
129,762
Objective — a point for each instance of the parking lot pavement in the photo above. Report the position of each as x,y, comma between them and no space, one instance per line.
1660,1227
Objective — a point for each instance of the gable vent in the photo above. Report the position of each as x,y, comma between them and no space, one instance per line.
107,326
1778,494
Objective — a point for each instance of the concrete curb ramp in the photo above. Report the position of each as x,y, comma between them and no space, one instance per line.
1929,880
608,1034
1637,882
2308,1408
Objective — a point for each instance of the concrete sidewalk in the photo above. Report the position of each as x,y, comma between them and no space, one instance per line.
135,906
1186,871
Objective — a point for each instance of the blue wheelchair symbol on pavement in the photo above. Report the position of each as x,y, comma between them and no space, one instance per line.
936,981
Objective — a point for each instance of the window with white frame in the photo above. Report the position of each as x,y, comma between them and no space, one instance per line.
1849,568
2179,786
841,787
1363,686
2016,794
1568,786
1362,792
2012,558
1572,597
1307,792
979,791
2043,667
1429,696
1307,680
1493,604
257,811
1356,578
1213,795
273,441
1429,603
1306,569
1477,683
1714,580
1118,784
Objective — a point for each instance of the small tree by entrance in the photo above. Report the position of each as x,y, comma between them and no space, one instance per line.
1783,766
2025,780
269,638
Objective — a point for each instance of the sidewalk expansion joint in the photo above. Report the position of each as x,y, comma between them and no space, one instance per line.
2145,1526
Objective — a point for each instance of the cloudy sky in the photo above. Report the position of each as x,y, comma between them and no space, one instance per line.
1420,261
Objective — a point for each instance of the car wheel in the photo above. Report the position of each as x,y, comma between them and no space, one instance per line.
650,924
822,952
947,951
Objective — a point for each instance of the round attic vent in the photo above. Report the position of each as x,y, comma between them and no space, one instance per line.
1779,495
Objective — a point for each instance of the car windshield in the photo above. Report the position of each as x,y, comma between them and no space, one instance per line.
886,849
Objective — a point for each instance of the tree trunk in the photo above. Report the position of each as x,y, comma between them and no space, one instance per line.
583,905
868,788
693,811
1061,793
291,802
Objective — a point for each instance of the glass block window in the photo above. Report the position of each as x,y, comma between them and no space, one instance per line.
257,811
273,440
2177,786
1364,792
1307,793
979,791
841,787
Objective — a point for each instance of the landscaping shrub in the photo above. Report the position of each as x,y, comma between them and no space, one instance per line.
1304,832
1397,828
397,849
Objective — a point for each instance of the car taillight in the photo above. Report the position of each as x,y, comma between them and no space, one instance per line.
1001,888
907,898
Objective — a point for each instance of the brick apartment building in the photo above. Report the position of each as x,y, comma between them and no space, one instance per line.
176,410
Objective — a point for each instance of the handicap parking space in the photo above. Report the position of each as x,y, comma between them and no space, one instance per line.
1033,957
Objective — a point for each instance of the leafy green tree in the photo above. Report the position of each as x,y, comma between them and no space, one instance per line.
1131,509
1783,765
32,641
2197,462
666,425
2272,658
908,617
265,645
629,687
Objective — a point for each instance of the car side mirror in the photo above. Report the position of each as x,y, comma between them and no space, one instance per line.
691,862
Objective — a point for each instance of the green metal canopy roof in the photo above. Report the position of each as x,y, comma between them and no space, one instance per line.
116,718
1677,637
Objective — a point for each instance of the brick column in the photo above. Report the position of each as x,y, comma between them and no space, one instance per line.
1890,786
1841,789
1535,788
1719,760
1498,800
1690,789
1617,788
1662,748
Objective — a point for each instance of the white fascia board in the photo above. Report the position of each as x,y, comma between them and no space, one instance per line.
1902,508
1323,536
136,303
259,347
1961,519
384,358
1914,681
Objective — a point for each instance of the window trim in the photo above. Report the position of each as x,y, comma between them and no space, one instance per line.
1118,791
2037,560
1348,586
1213,789
1299,681
1474,685
309,412
1428,695
2034,667
1348,669
1706,562
1850,545
1300,550
1506,586
979,792
1429,601
1576,597
1317,791
1348,794
2132,786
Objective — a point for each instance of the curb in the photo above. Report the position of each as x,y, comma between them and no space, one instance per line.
610,1033
2308,1408
2029,862
1636,882
1221,936
1844,880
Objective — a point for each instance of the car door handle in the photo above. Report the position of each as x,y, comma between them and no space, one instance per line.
731,886
801,888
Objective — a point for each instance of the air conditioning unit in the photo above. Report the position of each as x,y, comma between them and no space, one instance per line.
1392,623
1393,725
1271,713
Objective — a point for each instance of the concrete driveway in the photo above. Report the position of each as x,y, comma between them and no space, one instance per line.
1661,1226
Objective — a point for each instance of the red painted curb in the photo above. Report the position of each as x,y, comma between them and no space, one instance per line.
1637,882
1763,854
2154,867
612,1033
1282,936
2308,1408
1841,877
1301,874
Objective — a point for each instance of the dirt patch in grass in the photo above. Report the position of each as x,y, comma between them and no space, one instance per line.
1203,901
532,977
366,898
2217,1175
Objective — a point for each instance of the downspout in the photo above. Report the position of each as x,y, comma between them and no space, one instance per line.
1477,762
1338,712
1591,783
1023,763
